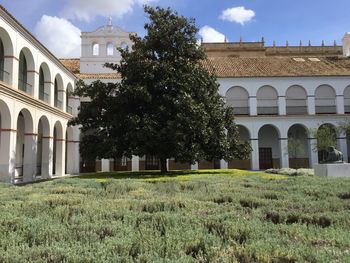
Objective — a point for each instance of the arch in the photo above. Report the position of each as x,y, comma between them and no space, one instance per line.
58,92
44,82
238,98
269,147
58,149
110,49
326,135
95,49
267,100
26,71
7,59
24,145
325,100
28,119
43,148
5,129
347,99
296,100
298,146
69,98
244,133
5,116
2,60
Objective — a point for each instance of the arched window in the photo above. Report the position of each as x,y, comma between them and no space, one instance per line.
22,72
347,100
69,91
56,102
95,49
124,46
325,100
267,100
2,59
296,100
238,98
41,85
110,49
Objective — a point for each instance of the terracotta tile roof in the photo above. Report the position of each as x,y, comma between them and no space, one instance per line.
224,67
73,64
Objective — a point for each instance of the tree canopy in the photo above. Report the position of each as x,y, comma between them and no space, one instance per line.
167,104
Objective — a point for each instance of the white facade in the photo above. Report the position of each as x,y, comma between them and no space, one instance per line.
277,104
269,110
99,47
35,107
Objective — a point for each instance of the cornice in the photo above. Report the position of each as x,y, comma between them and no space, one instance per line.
29,100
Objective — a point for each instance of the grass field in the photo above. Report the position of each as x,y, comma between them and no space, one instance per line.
208,216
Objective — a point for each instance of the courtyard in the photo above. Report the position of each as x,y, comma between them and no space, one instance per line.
188,216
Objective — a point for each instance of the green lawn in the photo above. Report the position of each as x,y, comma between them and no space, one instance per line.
207,216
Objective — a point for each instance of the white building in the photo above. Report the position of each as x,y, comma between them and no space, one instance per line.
283,92
35,107
277,92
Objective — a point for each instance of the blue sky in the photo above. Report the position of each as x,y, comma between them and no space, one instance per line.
57,23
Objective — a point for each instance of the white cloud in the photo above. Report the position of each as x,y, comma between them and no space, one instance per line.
209,34
86,10
59,35
238,15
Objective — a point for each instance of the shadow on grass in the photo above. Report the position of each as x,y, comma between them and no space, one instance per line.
157,174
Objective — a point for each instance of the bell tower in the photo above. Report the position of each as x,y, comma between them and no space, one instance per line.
99,47
346,45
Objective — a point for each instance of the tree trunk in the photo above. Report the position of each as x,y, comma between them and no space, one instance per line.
163,166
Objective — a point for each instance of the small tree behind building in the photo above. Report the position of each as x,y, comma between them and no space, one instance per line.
326,136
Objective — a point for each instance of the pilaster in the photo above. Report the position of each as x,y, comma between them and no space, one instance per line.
255,154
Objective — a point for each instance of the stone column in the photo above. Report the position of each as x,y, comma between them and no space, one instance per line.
313,155
340,104
76,153
311,108
105,165
11,66
255,154
223,164
73,159
281,105
35,87
49,90
135,163
60,156
342,146
253,106
194,166
167,164
47,156
7,155
30,156
284,152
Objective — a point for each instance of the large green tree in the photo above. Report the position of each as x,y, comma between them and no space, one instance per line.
167,104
